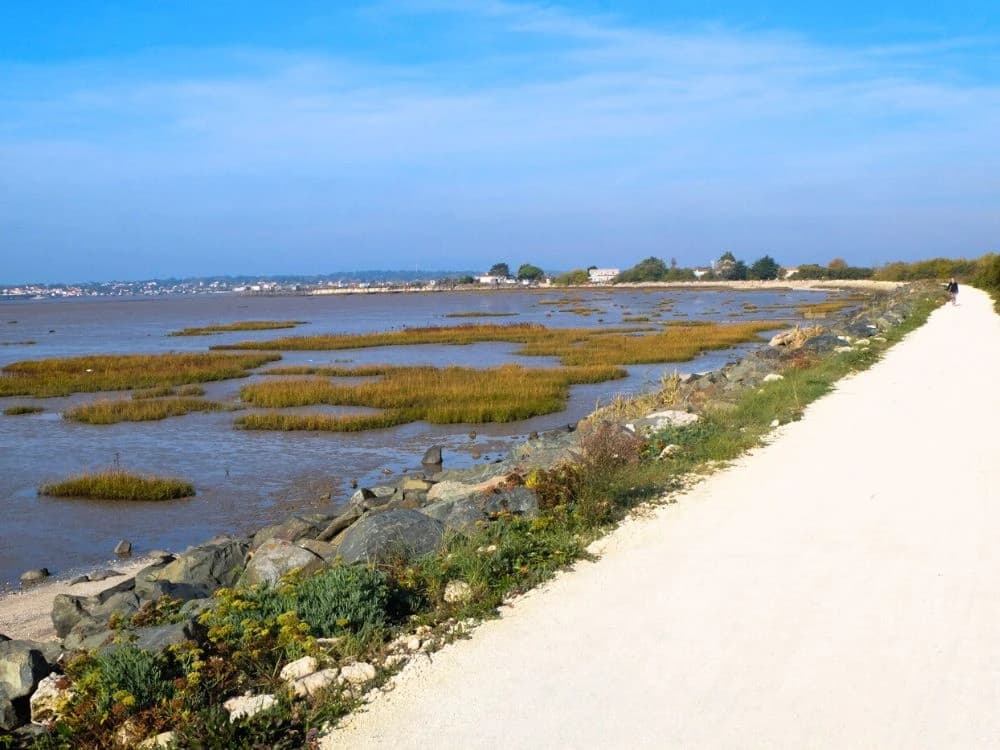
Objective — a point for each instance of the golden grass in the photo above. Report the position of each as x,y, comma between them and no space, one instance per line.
332,372
822,309
245,325
409,394
107,411
116,484
18,409
574,346
158,392
61,377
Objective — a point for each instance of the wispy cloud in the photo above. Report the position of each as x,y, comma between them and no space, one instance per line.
589,115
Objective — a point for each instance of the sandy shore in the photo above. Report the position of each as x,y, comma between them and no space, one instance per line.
26,614
835,589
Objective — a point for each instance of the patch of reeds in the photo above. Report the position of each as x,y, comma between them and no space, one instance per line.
118,372
636,318
190,390
330,371
408,394
822,309
244,325
158,392
115,484
109,411
13,411
574,346
29,342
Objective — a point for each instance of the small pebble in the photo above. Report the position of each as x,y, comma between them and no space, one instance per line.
123,548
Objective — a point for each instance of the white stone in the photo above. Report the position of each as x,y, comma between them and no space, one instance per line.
775,422
357,674
880,339
842,349
772,377
247,706
671,418
413,643
48,699
296,670
315,682
457,591
394,660
862,342
329,643
163,739
669,450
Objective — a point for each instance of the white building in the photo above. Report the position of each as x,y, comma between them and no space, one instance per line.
603,275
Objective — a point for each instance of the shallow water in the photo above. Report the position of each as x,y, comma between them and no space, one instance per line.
246,479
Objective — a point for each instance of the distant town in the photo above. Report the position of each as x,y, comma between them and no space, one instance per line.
726,267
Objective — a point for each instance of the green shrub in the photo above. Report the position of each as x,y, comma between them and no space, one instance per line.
345,598
130,677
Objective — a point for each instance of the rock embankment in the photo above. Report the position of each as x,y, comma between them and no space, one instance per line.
401,520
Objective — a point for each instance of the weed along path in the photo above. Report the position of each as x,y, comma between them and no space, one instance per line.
840,587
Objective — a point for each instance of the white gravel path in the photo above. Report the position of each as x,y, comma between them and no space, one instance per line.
839,588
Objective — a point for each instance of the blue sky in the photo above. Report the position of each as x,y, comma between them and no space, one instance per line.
144,139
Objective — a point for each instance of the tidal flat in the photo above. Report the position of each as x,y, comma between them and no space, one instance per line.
248,478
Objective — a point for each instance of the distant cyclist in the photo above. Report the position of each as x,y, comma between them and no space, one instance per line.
953,290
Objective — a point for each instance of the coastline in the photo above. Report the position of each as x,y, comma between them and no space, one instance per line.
26,614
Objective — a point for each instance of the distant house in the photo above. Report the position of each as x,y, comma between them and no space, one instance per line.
699,272
787,273
491,280
603,275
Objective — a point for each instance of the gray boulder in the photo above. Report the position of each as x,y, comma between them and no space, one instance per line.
34,576
22,665
825,342
379,537
464,513
195,573
275,558
292,529
340,523
68,610
432,456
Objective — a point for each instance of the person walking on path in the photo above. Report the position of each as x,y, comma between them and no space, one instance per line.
953,290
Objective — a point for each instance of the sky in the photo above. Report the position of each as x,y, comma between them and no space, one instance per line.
155,139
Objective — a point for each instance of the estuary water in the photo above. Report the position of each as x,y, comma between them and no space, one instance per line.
247,479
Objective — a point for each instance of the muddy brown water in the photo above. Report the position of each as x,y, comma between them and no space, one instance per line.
247,479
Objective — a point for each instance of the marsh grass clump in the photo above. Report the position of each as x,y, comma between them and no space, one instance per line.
190,390
822,309
110,411
18,409
120,372
245,325
158,392
680,342
116,484
407,394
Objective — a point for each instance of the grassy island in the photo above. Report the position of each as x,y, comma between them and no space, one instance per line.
108,411
118,372
245,325
575,347
115,484
408,394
